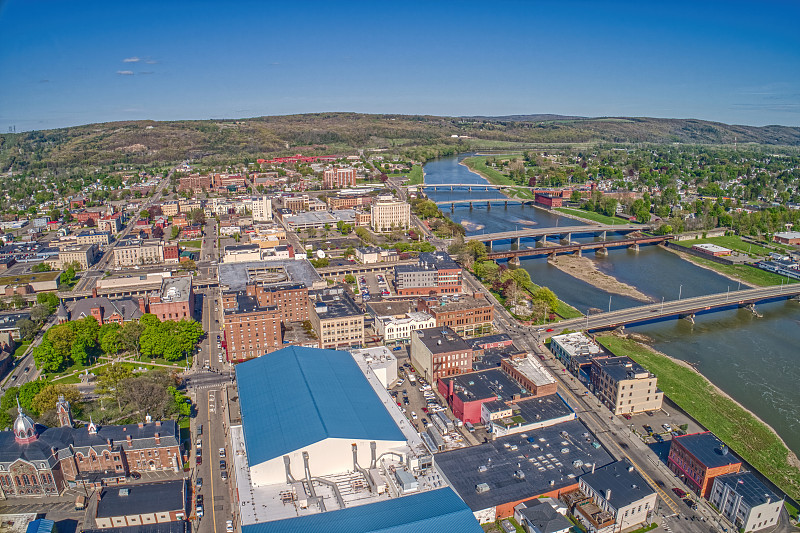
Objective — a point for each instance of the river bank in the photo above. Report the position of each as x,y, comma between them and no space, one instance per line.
743,431
584,269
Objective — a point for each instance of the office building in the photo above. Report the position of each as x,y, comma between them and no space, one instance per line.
262,209
624,386
436,273
395,330
698,458
137,252
83,254
142,505
439,352
174,301
93,237
336,178
250,328
468,316
746,501
336,319
389,213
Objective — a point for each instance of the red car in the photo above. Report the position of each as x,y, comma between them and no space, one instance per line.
549,330
679,492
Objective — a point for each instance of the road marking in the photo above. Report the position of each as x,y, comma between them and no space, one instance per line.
211,470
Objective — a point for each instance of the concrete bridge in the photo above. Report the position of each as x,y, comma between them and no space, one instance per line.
488,201
476,187
565,233
600,248
686,308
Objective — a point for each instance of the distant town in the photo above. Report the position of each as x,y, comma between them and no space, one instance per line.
314,343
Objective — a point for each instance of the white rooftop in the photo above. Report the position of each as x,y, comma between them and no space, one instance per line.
712,248
577,344
533,370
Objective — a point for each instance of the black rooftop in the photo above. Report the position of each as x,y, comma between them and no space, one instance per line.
492,383
179,526
551,458
706,448
621,478
142,498
442,340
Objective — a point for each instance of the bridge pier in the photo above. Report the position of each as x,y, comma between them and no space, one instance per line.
566,239
601,252
506,202
519,241
578,253
537,242
602,235
470,205
634,247
752,308
689,317
453,207
490,245
451,187
470,188
514,261
488,205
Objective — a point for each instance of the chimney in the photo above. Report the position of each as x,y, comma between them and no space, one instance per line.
157,437
110,443
608,494
94,292
158,423
130,440
142,305
141,424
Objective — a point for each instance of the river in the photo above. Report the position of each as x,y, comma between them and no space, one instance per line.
754,360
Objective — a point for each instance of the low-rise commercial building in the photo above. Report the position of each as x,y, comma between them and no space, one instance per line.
712,249
787,237
700,457
746,501
142,504
440,352
531,374
174,301
335,317
93,237
466,315
395,330
624,386
619,490
374,254
436,273
137,252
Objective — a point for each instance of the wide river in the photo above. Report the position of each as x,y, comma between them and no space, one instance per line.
755,360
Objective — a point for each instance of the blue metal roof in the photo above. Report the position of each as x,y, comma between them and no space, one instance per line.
40,525
437,510
297,396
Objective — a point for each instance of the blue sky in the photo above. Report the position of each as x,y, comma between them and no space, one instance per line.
69,63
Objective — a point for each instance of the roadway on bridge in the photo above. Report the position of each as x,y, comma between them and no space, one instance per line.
686,306
541,232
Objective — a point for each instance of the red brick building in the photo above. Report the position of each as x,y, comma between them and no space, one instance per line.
84,216
171,253
195,182
334,178
466,315
700,457
548,200
175,300
195,231
251,329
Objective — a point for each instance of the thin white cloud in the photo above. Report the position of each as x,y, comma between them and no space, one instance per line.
125,72
151,62
131,60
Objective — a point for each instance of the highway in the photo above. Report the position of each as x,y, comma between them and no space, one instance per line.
686,306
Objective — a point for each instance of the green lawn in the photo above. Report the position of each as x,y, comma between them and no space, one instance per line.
521,193
591,215
478,164
190,244
734,242
30,278
19,349
750,275
740,430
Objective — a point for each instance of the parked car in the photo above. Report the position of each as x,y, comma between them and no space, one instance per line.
667,427
224,475
648,429
223,465
229,526
222,453
199,511
413,415
199,483
626,416
680,493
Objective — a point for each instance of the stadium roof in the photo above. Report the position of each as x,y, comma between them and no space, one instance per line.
297,396
436,510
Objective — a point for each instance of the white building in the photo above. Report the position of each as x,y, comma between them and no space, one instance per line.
381,362
745,501
262,209
397,330
619,490
389,213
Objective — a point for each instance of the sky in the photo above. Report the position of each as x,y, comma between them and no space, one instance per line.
71,63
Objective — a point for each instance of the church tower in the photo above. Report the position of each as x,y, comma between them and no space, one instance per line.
64,412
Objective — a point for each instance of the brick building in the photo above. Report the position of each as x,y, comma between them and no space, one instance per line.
700,457
466,315
194,182
439,352
251,329
335,178
171,253
548,200
174,301
39,461
336,319
436,273
348,201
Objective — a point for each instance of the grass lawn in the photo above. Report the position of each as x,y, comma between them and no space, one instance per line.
415,177
734,242
190,244
68,380
478,164
751,275
521,193
740,430
19,349
591,215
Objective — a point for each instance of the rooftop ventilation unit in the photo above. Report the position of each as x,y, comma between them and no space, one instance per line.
481,488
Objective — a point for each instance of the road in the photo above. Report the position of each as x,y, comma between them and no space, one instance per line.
541,232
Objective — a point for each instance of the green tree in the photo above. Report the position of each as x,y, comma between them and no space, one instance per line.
67,277
641,210
18,301
41,267
109,338
183,405
175,231
108,383
349,278
144,213
49,300
27,329
129,336
28,392
39,313
477,249
546,296
46,399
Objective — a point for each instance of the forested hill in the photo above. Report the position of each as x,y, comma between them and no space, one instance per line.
151,142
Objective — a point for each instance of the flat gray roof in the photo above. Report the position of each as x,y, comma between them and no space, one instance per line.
236,275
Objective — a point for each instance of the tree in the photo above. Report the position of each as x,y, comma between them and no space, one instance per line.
90,223
158,232
109,338
144,213
27,328
175,231
149,394
576,197
641,210
39,313
349,278
18,301
48,359
197,216
46,399
48,299
68,276
28,392
109,381
41,267
546,296
477,249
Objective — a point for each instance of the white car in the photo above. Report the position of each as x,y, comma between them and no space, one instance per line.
199,443
667,427
222,453
413,415
229,526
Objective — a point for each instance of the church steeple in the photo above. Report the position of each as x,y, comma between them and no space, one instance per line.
62,315
64,412
24,427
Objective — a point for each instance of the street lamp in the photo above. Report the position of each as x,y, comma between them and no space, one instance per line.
662,305
609,303
680,289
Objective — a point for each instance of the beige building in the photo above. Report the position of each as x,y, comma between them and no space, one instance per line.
262,209
336,319
624,386
170,209
84,254
187,206
135,252
389,213
93,237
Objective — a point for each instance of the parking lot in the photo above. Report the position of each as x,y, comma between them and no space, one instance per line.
374,286
670,416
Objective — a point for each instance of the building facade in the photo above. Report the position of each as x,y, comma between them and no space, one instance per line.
698,458
136,252
336,319
262,209
174,301
395,330
336,178
251,329
746,501
625,386
389,213
440,352
83,254
467,315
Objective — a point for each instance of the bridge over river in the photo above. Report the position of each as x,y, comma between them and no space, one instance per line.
685,308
